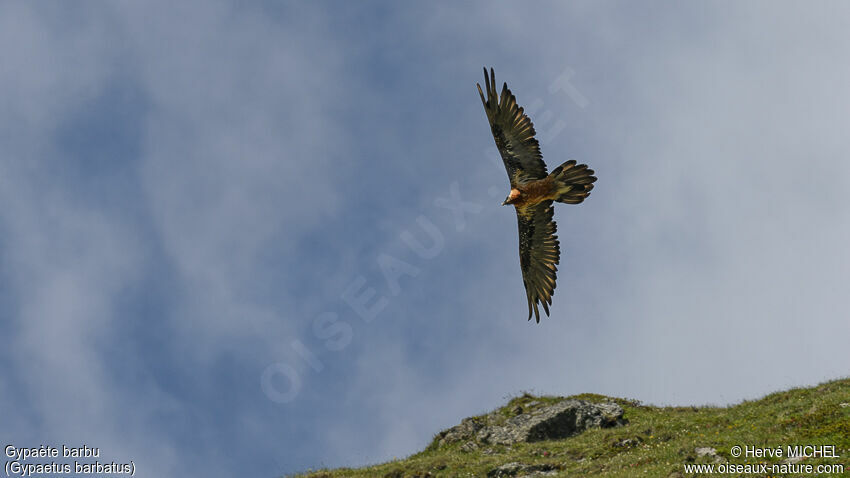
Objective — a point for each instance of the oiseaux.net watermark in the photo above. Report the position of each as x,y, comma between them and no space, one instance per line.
281,382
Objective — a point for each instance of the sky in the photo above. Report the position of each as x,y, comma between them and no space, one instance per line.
259,238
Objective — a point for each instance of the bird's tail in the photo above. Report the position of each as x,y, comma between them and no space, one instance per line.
573,182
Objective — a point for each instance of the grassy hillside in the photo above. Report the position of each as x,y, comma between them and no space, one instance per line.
657,441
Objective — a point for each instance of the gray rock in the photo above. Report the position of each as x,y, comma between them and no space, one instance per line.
469,446
705,451
710,453
560,420
628,442
466,430
521,470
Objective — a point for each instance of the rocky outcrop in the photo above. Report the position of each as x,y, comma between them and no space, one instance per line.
534,423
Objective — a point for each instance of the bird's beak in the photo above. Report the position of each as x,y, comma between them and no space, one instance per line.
505,202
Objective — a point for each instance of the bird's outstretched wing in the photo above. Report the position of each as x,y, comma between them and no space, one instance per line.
539,253
514,133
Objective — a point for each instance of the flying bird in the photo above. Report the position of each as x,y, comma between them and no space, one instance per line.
532,192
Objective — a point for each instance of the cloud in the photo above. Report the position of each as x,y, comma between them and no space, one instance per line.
714,232
223,165
187,189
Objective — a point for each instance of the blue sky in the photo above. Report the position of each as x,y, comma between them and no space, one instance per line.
194,196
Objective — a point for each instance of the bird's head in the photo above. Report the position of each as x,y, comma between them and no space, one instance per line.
512,197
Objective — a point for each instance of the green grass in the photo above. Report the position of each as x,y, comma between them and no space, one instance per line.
660,439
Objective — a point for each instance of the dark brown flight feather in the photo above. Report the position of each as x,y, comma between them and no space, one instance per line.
570,183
